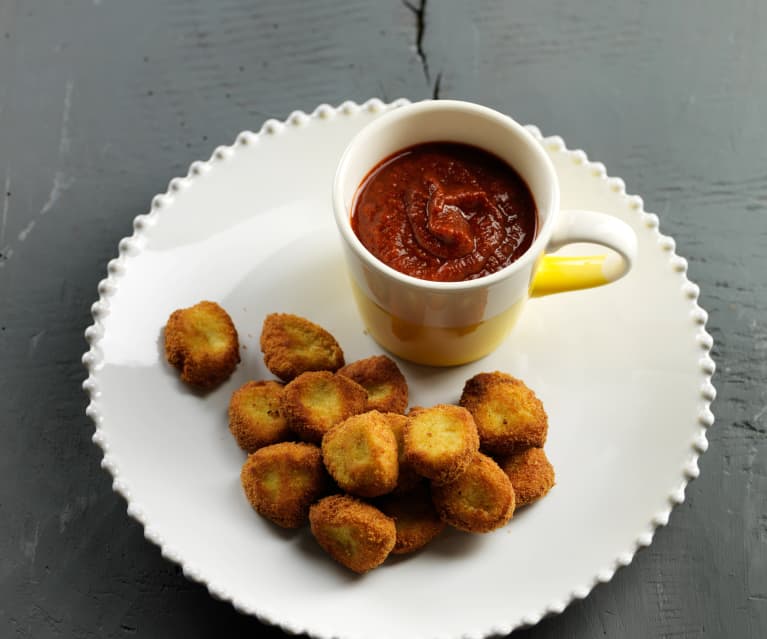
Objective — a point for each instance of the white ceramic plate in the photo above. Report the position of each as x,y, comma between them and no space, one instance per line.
624,372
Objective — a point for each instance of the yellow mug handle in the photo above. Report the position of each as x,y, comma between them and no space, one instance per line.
557,274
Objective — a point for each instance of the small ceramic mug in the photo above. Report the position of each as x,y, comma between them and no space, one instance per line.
450,323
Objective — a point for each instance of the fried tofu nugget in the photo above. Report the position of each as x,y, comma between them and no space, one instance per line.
480,500
382,379
407,478
255,415
202,343
440,442
415,518
293,345
354,533
281,481
508,414
360,453
531,474
316,401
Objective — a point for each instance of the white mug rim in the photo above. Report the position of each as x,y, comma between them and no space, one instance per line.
533,252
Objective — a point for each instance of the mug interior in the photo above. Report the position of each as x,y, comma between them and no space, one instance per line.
449,121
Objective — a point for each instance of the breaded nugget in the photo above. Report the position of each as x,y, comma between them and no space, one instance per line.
415,518
407,478
202,343
360,453
293,345
440,442
480,500
281,481
354,533
509,416
531,474
255,415
382,379
316,401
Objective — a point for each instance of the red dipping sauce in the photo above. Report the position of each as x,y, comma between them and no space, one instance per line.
444,212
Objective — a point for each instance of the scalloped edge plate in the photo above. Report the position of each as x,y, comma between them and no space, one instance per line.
624,371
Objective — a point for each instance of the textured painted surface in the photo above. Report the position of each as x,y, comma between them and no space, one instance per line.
102,102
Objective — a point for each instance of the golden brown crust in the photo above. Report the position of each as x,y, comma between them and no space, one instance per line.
316,401
201,342
480,500
531,474
415,518
508,414
360,454
407,478
281,481
355,534
382,379
440,442
255,415
293,345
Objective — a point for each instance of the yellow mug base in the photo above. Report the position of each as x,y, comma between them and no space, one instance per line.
434,345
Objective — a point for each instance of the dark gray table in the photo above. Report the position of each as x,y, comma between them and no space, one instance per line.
102,102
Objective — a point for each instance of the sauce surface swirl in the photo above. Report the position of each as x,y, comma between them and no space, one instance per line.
444,211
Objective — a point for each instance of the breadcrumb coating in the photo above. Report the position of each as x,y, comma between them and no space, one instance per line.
293,345
316,401
480,500
354,533
255,415
382,379
360,453
508,414
531,474
201,342
407,478
440,442
415,518
281,481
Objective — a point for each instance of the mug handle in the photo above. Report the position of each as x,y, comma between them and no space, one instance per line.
559,273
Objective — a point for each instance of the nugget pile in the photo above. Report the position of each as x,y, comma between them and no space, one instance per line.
333,445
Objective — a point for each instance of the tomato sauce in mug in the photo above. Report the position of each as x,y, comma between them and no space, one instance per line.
444,211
